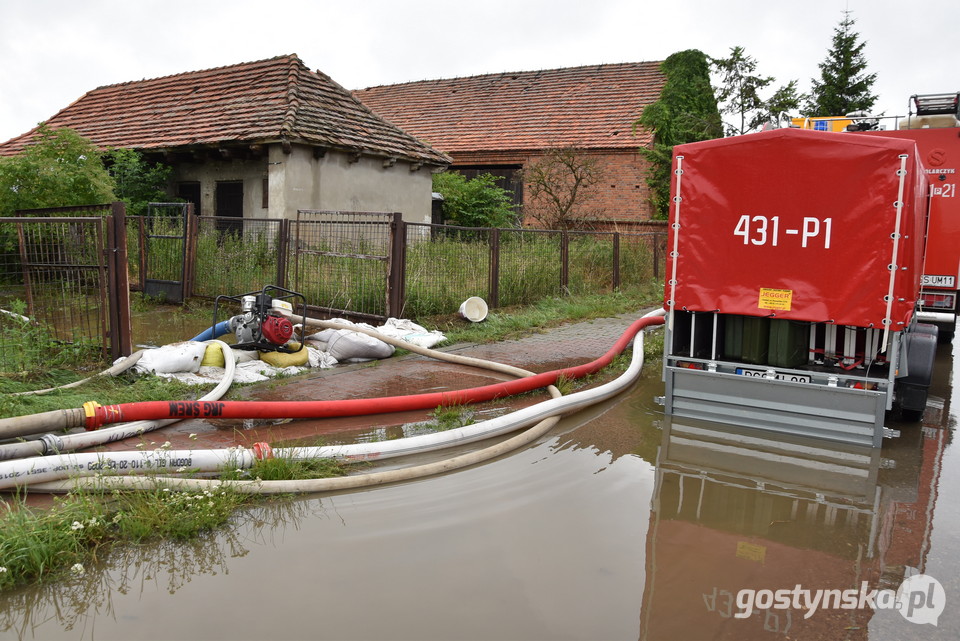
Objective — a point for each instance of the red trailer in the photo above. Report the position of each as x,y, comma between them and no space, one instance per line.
934,126
793,274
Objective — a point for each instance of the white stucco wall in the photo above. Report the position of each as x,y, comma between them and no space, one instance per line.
367,185
298,180
250,172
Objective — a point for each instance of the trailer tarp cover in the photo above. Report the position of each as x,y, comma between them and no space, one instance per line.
798,224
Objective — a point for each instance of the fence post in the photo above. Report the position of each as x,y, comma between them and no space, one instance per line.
616,260
142,253
283,242
191,232
564,261
24,262
396,266
493,287
656,256
118,282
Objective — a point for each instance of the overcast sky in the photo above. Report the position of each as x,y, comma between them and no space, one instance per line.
53,51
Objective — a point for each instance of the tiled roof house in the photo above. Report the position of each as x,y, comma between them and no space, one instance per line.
260,139
498,123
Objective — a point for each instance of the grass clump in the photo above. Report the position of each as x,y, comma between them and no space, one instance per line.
450,417
38,544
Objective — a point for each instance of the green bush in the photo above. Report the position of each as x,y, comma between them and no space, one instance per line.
476,202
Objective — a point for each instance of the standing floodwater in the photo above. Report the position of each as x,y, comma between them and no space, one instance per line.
621,524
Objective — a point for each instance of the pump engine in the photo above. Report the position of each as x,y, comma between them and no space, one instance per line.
263,322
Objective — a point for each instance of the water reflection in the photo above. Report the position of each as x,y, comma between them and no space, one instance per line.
79,603
736,509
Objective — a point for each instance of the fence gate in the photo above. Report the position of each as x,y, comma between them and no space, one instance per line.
164,241
350,261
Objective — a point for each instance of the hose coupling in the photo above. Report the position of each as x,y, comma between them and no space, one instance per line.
262,451
94,419
52,444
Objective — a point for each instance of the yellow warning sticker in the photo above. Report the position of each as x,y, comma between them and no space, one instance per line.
751,551
776,299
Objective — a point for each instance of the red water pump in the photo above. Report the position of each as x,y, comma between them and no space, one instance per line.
261,325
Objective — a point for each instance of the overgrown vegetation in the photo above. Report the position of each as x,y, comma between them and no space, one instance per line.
474,202
38,348
137,182
685,112
61,168
40,544
558,184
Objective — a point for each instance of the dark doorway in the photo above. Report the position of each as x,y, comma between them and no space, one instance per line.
190,192
229,206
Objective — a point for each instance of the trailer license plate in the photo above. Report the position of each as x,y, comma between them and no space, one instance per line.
780,376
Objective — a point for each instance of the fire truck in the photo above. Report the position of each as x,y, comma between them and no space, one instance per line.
933,122
792,296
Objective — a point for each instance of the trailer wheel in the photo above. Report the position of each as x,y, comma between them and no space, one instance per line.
919,351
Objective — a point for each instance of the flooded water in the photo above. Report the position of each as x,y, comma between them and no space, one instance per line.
620,524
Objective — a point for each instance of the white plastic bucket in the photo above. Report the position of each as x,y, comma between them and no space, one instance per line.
474,309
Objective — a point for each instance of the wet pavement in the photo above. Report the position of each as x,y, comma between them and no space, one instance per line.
619,524
565,346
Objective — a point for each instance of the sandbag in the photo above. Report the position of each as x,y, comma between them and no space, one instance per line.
176,357
349,346
408,331
283,359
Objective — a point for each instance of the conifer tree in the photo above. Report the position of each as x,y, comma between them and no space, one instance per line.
844,85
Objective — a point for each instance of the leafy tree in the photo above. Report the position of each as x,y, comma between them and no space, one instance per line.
685,112
740,93
476,202
138,182
783,101
559,188
844,85
60,169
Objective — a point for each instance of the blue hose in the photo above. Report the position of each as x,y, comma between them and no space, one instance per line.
216,331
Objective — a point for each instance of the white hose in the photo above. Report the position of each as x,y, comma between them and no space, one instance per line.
81,440
546,412
118,368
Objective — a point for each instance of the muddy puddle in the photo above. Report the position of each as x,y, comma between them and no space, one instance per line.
620,524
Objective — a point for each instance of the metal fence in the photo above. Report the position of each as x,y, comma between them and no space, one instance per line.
64,272
374,265
62,296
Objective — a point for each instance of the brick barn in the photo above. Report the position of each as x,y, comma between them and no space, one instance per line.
501,123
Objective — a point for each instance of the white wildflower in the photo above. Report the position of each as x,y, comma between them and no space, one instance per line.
78,569
3,570
77,525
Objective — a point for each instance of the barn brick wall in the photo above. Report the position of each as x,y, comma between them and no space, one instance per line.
619,201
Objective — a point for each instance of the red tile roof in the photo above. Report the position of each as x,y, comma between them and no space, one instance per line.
590,107
253,102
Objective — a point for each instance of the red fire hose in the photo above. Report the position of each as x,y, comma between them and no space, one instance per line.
97,415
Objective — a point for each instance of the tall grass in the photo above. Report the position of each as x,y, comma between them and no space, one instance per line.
441,272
